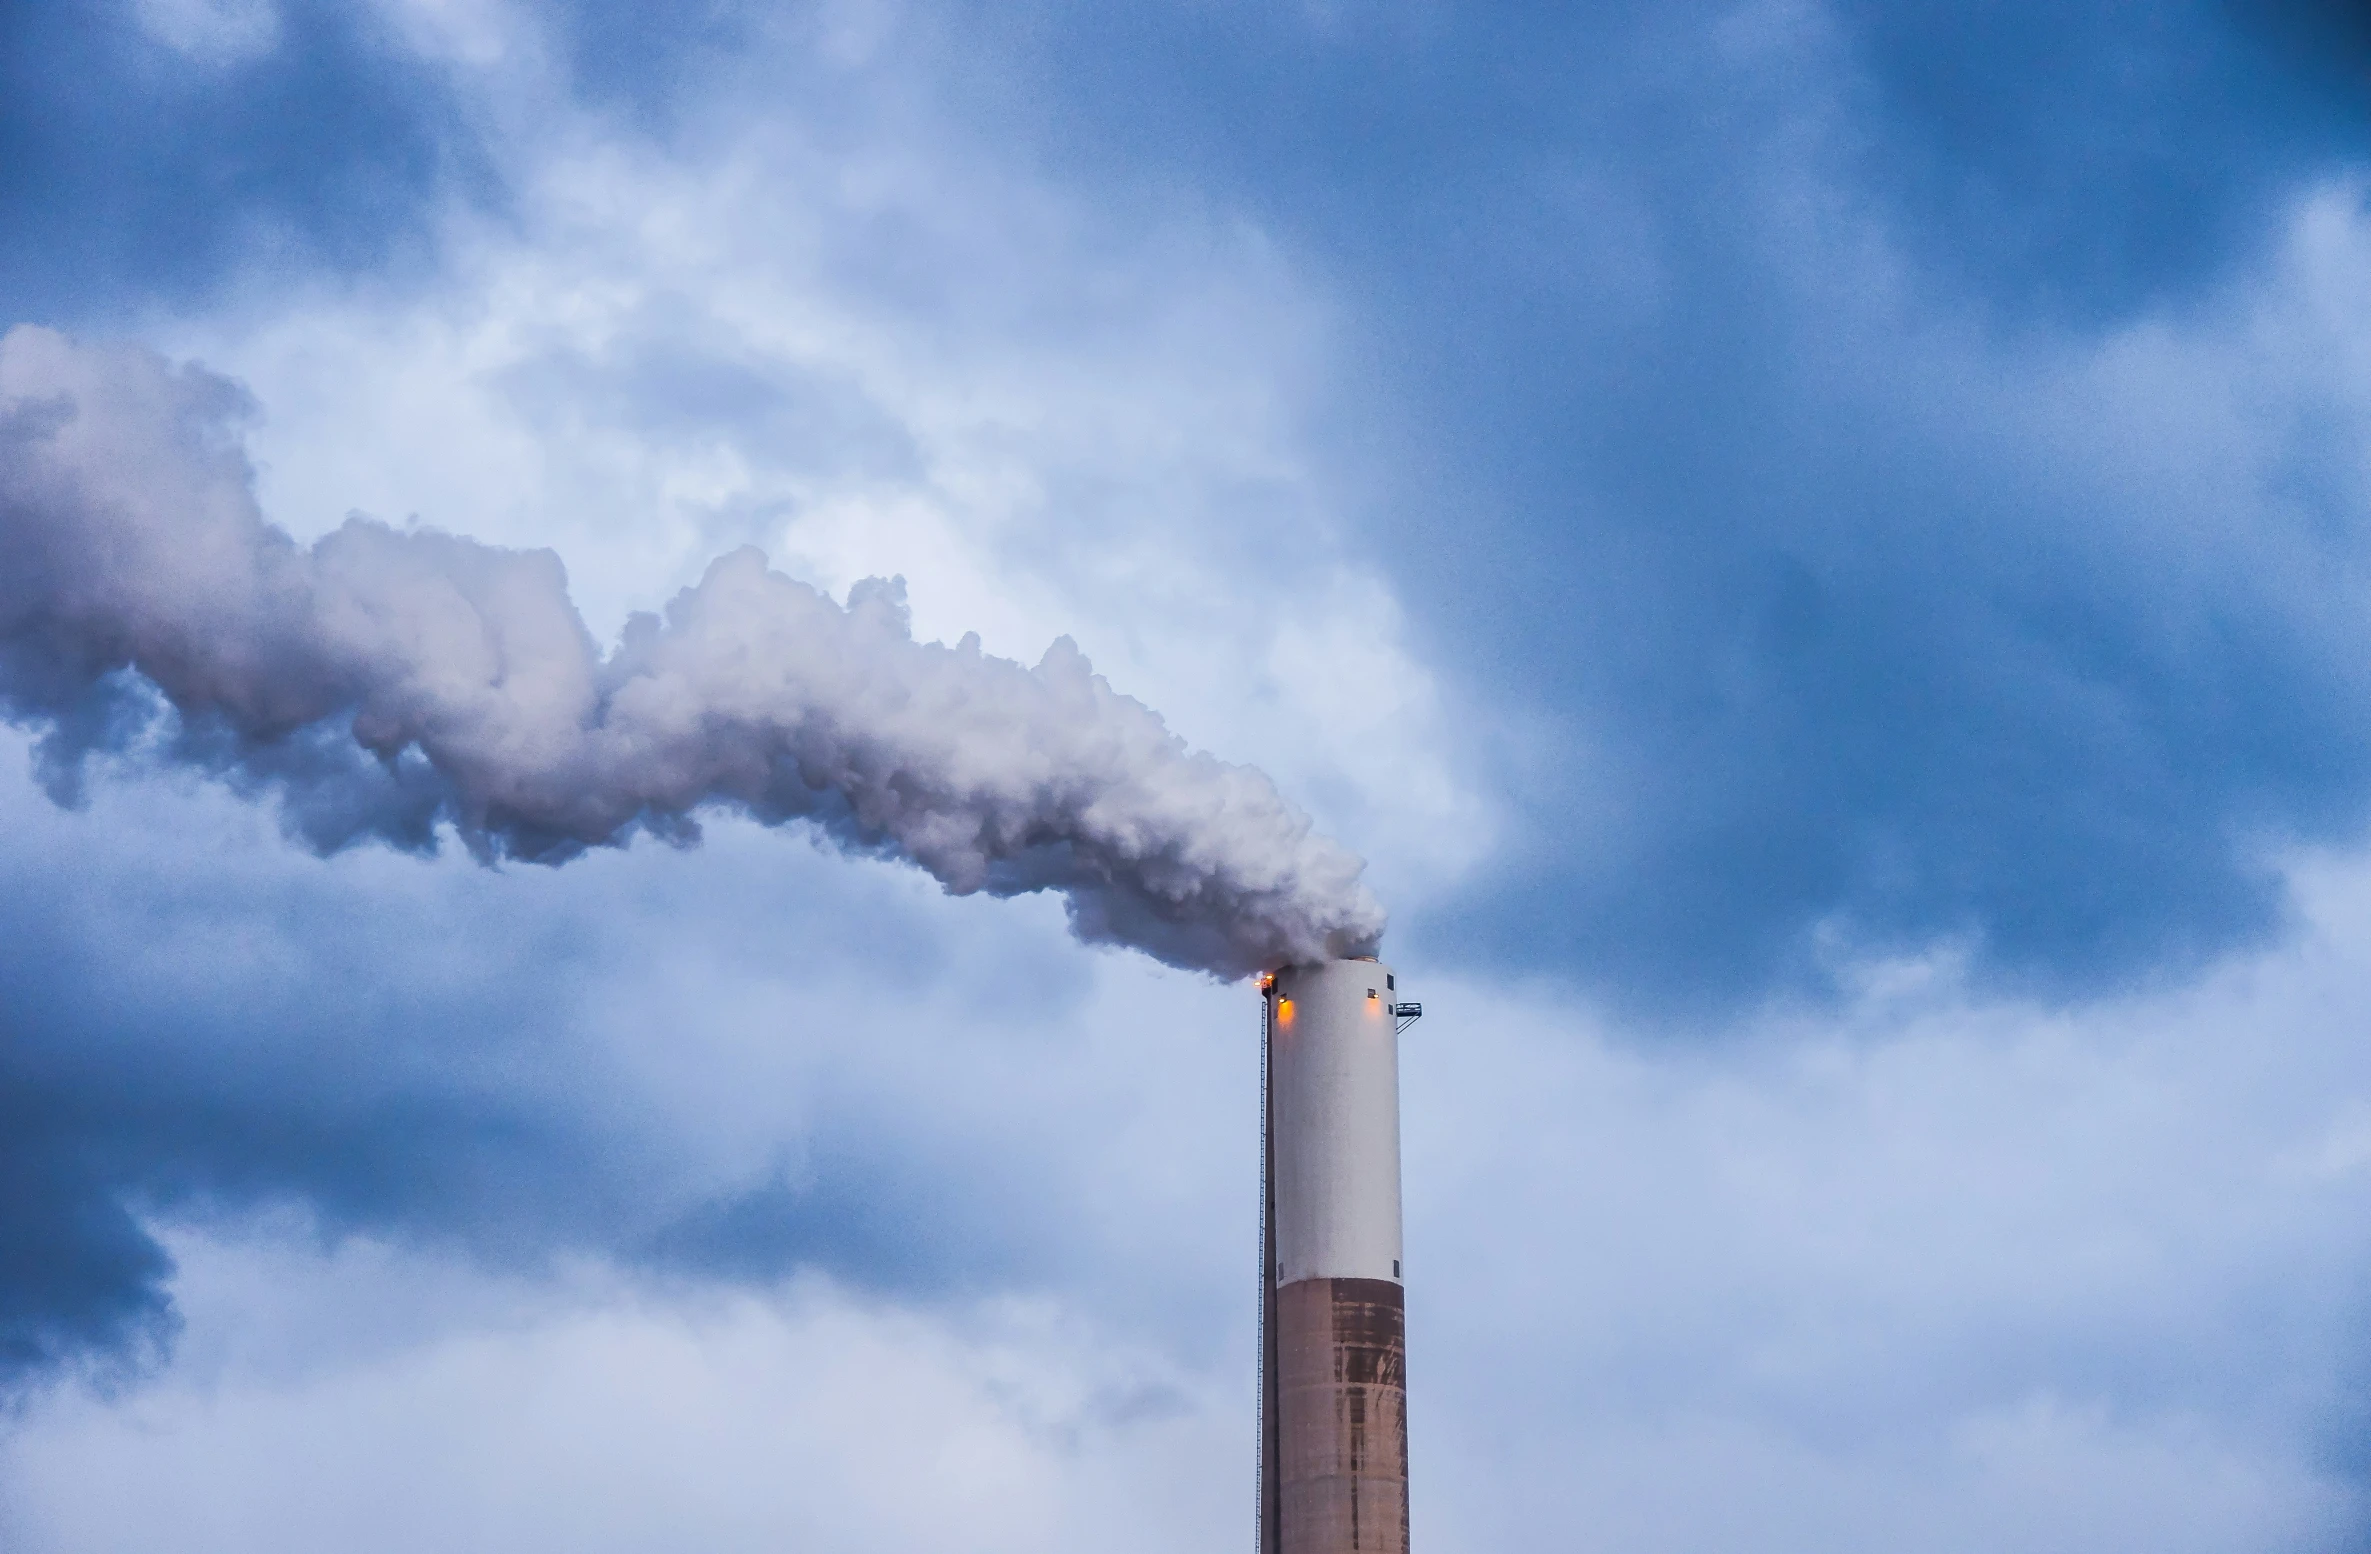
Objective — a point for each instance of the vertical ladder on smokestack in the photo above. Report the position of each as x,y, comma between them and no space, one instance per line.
1269,1521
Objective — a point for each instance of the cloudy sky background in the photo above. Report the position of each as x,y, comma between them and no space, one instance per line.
1820,550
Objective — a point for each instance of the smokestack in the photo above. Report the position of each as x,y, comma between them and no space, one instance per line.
1333,1380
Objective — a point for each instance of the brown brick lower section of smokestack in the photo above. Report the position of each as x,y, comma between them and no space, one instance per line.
1341,1437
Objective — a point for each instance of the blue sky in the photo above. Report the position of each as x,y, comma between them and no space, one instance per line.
1819,550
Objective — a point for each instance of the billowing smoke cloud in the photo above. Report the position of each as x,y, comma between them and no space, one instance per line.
390,684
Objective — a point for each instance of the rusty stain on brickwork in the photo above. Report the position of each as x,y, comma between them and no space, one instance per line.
1342,1429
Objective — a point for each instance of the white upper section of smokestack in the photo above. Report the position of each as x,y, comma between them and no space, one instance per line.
393,683
1334,1122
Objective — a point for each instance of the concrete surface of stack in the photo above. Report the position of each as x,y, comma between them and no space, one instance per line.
1333,1394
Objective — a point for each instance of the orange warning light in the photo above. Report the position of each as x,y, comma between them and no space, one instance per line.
1284,1010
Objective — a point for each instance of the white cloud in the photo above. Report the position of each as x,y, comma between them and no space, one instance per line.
214,32
591,1416
1933,1272
825,322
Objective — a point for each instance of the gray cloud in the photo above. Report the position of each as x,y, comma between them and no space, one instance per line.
1740,387
146,151
682,1065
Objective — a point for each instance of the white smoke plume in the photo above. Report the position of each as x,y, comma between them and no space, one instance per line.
392,684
